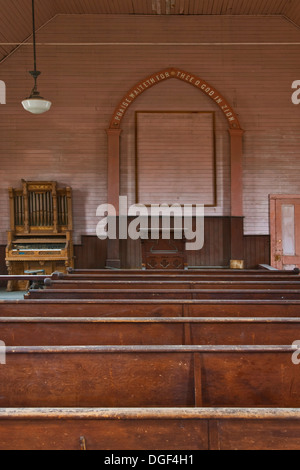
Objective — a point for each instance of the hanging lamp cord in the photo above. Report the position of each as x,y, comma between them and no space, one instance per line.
34,73
34,43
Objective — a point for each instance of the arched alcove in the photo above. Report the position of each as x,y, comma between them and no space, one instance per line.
236,137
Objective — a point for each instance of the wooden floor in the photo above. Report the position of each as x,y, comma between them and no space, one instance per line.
128,360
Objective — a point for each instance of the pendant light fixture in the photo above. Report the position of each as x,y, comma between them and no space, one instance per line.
35,104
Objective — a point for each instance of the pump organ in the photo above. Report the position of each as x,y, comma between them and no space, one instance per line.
40,236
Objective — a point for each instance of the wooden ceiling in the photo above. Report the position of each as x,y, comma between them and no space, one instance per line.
16,27
178,7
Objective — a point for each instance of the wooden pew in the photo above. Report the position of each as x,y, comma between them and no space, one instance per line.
218,274
149,376
188,272
150,428
188,294
175,277
148,308
182,279
167,284
126,276
148,331
197,376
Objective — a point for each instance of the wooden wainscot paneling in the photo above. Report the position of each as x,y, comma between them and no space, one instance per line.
216,249
91,254
256,250
215,252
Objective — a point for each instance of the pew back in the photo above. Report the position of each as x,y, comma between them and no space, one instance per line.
148,429
149,308
148,331
170,285
189,294
150,376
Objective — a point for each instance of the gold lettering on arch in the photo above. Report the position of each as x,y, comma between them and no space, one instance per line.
168,74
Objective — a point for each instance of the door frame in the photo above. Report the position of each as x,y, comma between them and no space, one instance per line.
276,241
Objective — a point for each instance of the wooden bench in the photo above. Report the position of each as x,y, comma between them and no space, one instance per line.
173,277
149,308
108,395
188,294
149,376
150,428
167,284
188,272
148,331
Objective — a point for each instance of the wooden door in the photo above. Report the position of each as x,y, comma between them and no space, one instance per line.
285,231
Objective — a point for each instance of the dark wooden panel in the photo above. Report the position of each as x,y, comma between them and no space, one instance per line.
148,429
131,254
150,308
3,270
91,254
216,249
50,433
148,331
176,376
256,250
258,435
165,294
177,285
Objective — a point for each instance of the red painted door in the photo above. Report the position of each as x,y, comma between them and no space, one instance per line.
285,231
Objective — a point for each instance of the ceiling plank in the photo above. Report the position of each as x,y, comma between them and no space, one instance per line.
16,25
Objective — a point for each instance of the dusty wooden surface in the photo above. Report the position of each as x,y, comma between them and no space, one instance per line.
66,331
177,376
150,284
237,356
149,308
148,429
184,272
238,294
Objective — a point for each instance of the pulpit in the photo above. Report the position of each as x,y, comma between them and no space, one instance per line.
165,250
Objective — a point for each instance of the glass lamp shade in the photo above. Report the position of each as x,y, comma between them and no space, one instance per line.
36,105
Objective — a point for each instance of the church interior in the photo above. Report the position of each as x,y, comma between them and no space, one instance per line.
150,225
